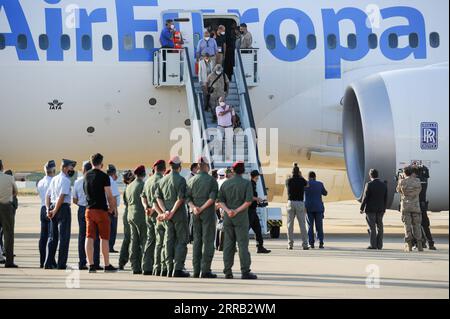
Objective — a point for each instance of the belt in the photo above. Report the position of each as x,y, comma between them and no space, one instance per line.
225,126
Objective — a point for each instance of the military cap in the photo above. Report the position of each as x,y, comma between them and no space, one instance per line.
87,166
67,162
221,172
175,160
50,164
140,170
127,175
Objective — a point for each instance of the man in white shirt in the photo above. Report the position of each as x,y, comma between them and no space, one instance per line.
58,211
225,122
8,189
79,199
42,188
112,173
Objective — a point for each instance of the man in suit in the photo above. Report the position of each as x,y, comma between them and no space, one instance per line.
374,204
315,209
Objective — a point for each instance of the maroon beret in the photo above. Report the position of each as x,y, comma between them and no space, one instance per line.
140,170
238,164
158,162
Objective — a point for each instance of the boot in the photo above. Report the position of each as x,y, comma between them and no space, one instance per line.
408,247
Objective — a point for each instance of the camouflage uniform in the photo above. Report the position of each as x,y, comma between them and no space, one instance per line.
409,189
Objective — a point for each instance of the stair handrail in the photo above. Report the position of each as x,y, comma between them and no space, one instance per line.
240,79
198,111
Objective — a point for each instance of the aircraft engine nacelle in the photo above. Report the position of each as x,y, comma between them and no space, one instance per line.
393,118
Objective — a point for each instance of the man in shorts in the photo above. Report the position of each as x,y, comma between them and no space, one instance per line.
97,187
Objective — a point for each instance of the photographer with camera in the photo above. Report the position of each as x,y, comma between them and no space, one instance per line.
423,174
253,215
409,188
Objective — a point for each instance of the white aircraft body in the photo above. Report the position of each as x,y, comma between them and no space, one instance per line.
350,85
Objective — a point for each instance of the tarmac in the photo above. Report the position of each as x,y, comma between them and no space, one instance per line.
344,269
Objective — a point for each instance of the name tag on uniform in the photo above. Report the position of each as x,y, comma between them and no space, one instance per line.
220,50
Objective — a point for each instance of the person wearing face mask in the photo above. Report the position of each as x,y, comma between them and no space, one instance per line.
166,37
207,45
218,85
246,39
221,44
58,211
205,68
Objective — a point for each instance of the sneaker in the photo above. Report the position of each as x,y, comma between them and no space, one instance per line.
311,246
92,269
110,268
181,274
321,246
99,268
209,275
83,267
229,276
11,266
263,250
305,248
113,251
249,276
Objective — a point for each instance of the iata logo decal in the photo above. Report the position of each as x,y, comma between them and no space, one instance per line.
429,136
55,105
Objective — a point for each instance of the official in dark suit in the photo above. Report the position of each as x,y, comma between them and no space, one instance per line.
315,208
374,204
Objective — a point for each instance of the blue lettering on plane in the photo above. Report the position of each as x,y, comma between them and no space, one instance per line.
127,26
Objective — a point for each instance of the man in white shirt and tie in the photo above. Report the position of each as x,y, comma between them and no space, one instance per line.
58,211
42,188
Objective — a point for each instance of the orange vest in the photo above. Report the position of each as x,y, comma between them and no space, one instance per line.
177,40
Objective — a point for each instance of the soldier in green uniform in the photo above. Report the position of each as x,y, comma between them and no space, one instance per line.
128,177
201,197
235,197
409,188
170,195
136,218
151,209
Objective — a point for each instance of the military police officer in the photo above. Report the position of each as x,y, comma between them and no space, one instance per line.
170,194
136,218
409,188
58,211
127,177
149,201
201,197
235,197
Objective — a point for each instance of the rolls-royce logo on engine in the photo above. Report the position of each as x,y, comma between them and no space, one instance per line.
429,136
55,105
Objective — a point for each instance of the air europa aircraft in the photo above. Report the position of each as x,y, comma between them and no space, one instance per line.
349,85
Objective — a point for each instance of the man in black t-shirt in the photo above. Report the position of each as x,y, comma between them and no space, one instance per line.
221,45
296,207
97,187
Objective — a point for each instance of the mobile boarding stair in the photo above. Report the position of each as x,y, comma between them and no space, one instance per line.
206,140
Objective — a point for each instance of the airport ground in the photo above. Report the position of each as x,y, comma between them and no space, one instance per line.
344,269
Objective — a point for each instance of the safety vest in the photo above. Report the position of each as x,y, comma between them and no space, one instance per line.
178,40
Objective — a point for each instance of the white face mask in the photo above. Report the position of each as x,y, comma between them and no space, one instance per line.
218,72
206,38
172,26
222,33
222,103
